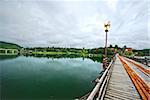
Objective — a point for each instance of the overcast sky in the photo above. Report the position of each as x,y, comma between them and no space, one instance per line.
75,23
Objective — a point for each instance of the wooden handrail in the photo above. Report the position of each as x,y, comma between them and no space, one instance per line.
101,82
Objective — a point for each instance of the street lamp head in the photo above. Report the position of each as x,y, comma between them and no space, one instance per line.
107,26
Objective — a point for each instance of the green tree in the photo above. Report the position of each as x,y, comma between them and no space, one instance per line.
124,47
116,46
110,46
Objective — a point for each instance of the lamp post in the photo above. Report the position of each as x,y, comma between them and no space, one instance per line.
106,27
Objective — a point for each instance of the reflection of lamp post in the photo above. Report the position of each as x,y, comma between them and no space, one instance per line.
106,26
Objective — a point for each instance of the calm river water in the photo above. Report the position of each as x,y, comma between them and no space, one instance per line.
31,78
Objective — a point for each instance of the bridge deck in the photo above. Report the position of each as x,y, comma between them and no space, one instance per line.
144,75
120,86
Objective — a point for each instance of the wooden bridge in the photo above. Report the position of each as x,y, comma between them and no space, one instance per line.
124,79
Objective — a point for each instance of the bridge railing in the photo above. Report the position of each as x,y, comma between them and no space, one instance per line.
99,90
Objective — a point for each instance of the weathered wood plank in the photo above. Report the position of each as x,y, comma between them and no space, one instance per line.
120,86
123,92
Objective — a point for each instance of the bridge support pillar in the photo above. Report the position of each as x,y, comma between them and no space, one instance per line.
5,51
13,51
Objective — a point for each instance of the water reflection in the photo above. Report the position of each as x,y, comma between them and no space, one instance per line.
94,58
46,79
6,57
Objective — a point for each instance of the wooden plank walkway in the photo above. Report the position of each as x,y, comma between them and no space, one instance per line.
120,86
143,73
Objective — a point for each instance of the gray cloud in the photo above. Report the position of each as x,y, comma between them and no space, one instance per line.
69,23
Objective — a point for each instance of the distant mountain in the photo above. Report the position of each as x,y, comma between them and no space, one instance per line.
9,45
